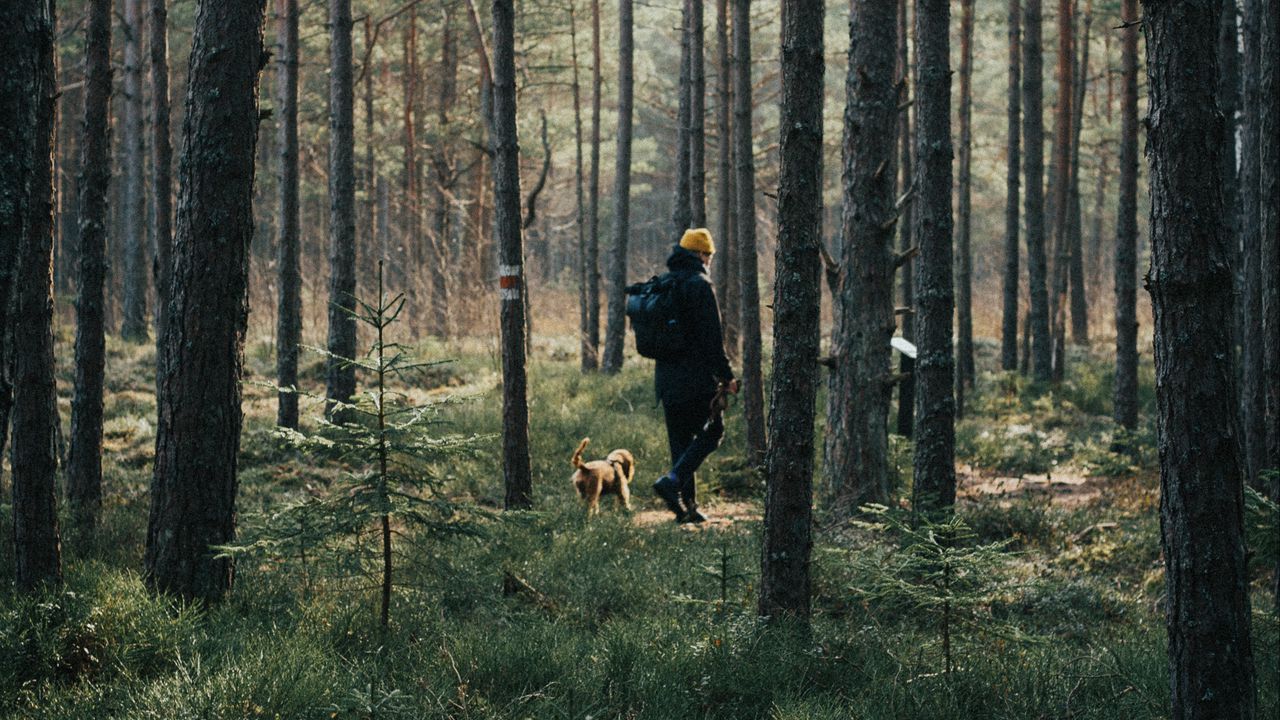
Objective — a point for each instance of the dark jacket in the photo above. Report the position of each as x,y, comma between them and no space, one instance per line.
694,376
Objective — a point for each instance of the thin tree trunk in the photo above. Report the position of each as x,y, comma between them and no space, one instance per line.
906,365
1033,190
1079,296
859,386
413,260
341,375
193,493
591,358
1269,194
134,328
697,121
726,276
1009,318
752,353
506,228
30,89
84,472
1190,284
612,361
289,269
1253,363
1125,402
965,372
934,485
444,178
1060,182
788,531
586,351
681,212
161,160
1095,234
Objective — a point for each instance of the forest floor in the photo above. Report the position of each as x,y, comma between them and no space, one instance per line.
1054,604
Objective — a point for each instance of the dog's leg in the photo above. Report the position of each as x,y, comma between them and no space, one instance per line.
624,496
593,502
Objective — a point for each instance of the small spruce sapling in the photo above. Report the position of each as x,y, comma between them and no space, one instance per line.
389,448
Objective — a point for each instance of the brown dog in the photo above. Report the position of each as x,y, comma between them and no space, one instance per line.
603,477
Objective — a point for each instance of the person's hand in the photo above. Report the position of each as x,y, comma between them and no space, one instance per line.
734,386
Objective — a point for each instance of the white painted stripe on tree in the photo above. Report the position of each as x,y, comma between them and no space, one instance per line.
509,294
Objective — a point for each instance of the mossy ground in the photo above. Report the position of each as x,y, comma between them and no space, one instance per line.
630,621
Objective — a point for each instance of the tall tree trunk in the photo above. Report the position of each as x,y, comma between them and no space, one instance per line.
585,350
681,211
1079,296
161,160
1060,182
934,462
1033,190
859,386
906,365
70,114
965,372
341,375
1125,402
1252,391
1095,234
193,493
612,361
591,337
506,228
1009,316
788,531
1269,195
697,122
444,178
1190,284
752,353
726,276
412,261
84,471
134,328
288,263
30,89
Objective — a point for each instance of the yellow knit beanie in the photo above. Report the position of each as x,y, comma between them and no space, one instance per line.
698,240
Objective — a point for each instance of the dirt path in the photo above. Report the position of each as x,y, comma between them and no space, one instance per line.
720,514
1064,487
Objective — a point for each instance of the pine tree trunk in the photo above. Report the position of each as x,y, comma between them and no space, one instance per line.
411,262
965,372
726,276
1269,193
586,352
506,228
193,493
1060,171
341,376
906,365
934,462
612,361
752,352
444,179
591,358
1252,361
859,387
697,121
1009,316
288,262
1079,296
1190,285
27,102
84,471
1033,190
1125,402
681,213
161,160
788,531
1094,255
134,328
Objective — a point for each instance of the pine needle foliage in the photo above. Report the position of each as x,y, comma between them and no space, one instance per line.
390,448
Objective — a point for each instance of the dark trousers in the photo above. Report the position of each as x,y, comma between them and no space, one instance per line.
692,434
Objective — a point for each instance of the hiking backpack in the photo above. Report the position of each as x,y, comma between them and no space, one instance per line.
654,309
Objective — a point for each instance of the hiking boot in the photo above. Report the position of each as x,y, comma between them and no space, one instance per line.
692,516
668,488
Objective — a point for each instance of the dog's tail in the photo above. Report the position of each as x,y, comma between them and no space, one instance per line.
576,462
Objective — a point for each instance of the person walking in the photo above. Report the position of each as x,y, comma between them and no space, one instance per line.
692,387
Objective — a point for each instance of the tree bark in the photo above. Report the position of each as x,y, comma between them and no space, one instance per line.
934,462
585,350
697,115
965,372
442,163
612,361
788,531
681,210
1079,296
1269,195
591,336
1125,402
289,267
725,271
859,386
1253,363
161,160
134,326
339,374
411,261
1009,316
30,89
1060,183
1033,191
1201,506
84,471
906,365
193,493
506,228
752,344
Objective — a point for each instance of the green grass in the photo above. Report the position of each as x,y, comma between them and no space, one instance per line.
630,622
